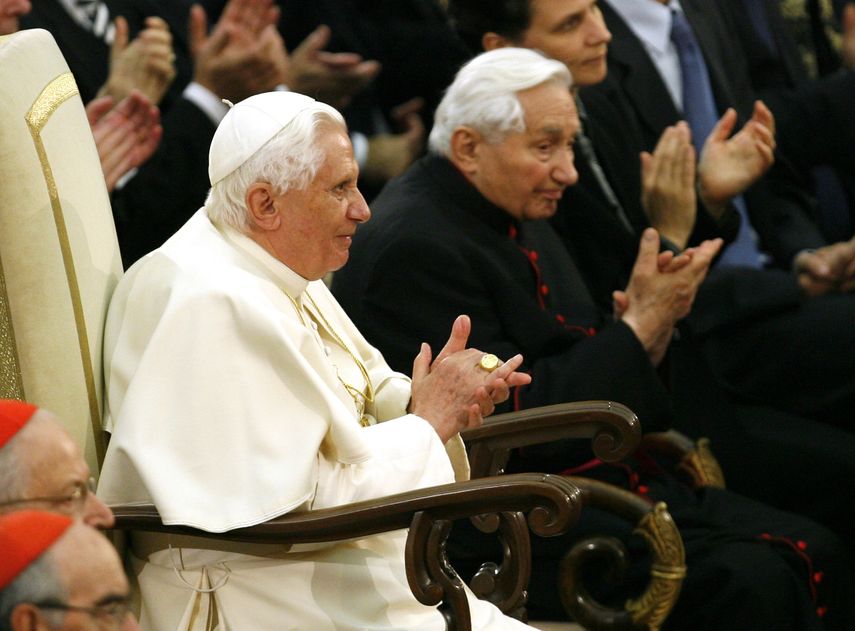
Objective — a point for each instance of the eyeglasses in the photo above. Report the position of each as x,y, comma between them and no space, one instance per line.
115,612
77,498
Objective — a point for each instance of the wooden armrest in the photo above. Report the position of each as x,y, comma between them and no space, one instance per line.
614,430
655,525
551,502
695,459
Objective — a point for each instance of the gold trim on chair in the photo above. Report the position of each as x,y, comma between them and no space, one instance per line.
11,384
55,94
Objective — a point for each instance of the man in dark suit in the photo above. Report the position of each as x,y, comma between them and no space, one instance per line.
815,125
465,230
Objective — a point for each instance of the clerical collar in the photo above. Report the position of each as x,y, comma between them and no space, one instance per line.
461,193
287,279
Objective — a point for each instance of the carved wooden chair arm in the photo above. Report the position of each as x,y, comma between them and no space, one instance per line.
654,524
694,459
552,504
614,430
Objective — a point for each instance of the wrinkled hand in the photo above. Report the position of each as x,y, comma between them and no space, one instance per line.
146,64
333,78
389,155
828,269
661,291
668,185
243,55
453,392
728,166
847,48
126,135
667,262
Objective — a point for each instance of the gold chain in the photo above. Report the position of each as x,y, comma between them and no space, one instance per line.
360,398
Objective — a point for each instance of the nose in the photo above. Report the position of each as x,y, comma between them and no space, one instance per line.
564,172
130,623
358,210
97,514
599,33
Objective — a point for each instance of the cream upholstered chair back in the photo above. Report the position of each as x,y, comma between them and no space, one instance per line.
59,258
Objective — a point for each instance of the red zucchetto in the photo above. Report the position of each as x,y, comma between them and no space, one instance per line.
13,416
24,537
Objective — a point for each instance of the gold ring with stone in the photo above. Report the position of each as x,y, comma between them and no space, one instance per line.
489,362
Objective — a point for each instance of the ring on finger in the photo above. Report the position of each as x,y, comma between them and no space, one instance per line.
489,362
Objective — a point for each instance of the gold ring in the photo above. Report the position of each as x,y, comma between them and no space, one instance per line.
489,362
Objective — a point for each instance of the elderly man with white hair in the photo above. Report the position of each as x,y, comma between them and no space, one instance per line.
41,467
238,390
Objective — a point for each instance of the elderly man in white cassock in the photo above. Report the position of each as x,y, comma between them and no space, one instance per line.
238,390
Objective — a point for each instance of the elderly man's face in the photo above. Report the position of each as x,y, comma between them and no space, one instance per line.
573,32
318,223
57,474
527,172
95,582
10,11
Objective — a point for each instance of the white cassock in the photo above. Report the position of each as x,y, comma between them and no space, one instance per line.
227,405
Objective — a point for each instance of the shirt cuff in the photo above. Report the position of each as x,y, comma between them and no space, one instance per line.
360,147
206,101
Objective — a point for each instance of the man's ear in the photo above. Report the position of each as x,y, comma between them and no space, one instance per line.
465,149
25,617
262,212
492,41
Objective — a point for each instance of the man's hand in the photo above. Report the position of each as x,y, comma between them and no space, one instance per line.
729,165
668,185
661,290
243,55
333,78
389,155
453,392
146,64
828,269
126,135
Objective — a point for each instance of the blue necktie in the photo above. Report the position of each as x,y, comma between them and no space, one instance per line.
700,112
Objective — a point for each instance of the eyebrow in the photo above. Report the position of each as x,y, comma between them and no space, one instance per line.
109,599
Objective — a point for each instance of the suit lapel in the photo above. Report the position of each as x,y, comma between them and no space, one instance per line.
632,71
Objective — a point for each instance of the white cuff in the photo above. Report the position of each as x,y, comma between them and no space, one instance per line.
206,101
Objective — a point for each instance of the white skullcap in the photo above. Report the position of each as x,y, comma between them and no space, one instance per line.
248,126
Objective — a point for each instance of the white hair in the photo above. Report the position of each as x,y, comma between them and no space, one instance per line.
38,583
484,97
290,159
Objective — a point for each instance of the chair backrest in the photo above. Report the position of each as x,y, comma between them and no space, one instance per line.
59,257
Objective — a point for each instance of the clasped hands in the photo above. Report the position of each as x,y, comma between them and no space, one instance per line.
661,291
453,392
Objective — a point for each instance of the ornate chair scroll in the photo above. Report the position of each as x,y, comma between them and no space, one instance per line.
615,434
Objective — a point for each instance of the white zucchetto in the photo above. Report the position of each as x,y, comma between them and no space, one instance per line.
248,126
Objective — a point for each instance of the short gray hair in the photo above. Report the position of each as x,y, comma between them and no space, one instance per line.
484,94
39,583
14,477
290,159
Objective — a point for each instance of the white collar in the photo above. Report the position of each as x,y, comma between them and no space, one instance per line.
649,20
287,279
